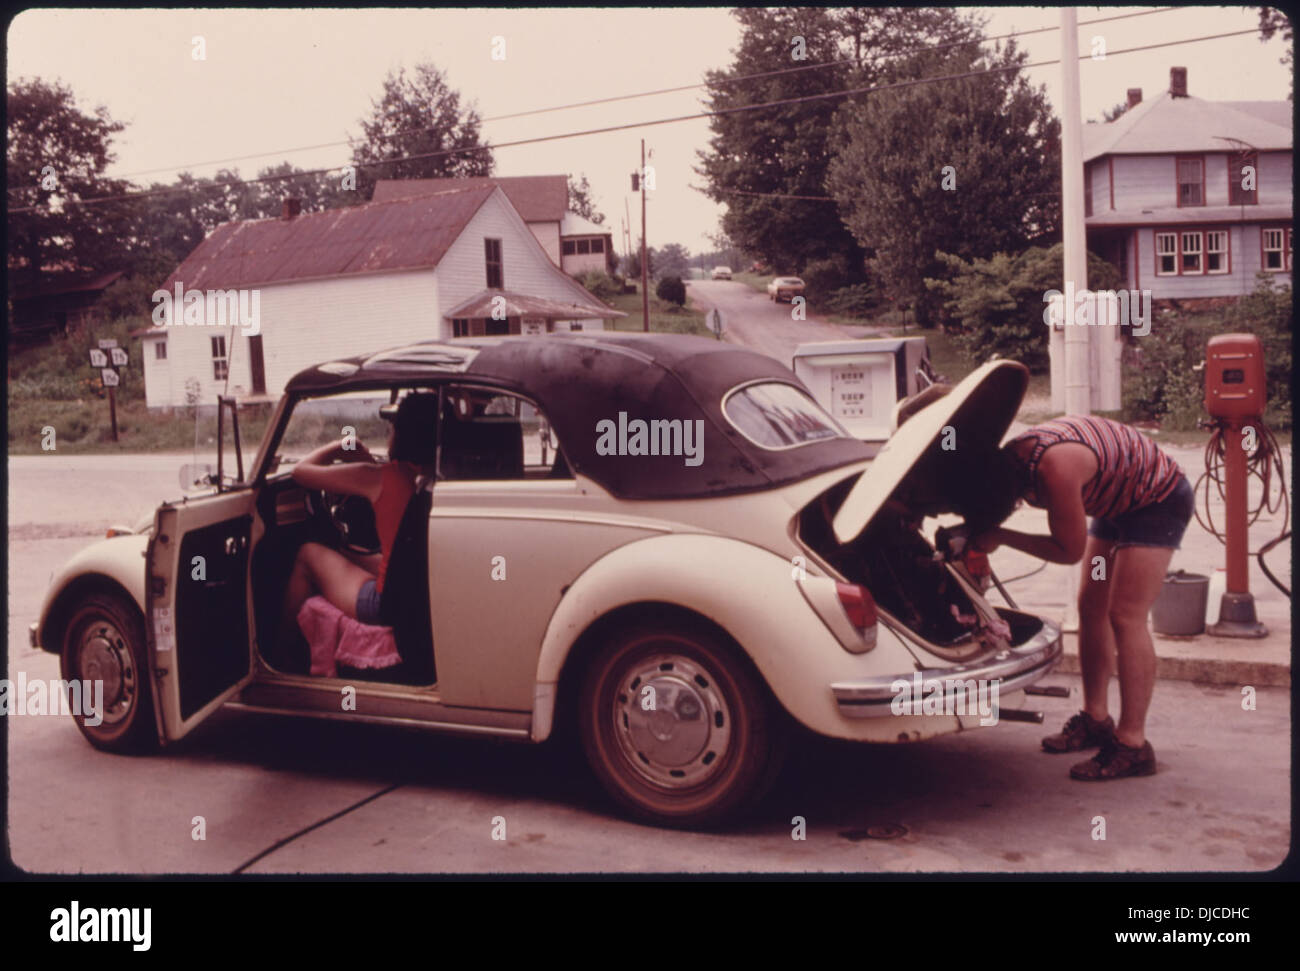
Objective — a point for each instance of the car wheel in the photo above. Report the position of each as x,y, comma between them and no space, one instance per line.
104,641
677,728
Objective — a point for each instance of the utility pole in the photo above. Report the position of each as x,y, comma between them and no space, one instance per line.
1077,369
645,270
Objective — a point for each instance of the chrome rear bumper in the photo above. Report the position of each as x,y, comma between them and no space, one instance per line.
1012,669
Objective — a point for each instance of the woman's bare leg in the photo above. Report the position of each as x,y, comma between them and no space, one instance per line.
1139,576
1096,635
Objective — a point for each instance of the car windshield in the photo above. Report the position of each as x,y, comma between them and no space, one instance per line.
775,416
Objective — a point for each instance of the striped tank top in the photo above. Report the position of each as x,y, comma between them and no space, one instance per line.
1132,472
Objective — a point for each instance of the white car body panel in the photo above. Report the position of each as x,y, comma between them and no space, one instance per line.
765,613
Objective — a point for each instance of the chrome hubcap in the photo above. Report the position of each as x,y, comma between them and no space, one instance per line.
671,721
105,656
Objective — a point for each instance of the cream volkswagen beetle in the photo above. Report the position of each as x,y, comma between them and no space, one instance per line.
660,541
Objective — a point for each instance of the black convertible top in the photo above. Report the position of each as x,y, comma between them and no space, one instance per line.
582,379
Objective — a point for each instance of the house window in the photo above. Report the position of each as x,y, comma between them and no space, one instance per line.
1216,251
1190,260
1191,181
220,362
160,350
569,247
460,327
1087,190
598,245
584,246
495,328
1243,166
1166,254
492,255
1277,250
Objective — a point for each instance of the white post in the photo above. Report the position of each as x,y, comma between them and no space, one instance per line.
1077,362
1074,236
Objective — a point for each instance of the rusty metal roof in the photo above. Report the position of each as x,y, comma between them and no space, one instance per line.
404,234
537,198
521,305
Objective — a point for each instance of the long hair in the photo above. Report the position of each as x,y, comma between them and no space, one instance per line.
415,429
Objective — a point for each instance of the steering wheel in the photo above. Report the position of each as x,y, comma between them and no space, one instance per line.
352,517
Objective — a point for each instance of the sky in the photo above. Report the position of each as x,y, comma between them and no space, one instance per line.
277,80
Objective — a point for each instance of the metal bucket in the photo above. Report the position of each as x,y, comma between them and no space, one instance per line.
1180,608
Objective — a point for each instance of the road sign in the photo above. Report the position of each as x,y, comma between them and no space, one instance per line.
98,358
109,377
107,342
119,356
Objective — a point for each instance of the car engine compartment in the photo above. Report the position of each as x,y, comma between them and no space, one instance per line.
908,580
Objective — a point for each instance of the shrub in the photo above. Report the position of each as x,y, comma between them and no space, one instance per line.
856,300
998,303
1163,376
826,275
671,289
600,284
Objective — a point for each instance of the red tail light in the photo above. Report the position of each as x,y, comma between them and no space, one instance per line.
858,604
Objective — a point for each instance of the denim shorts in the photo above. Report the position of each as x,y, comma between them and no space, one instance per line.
368,604
1159,524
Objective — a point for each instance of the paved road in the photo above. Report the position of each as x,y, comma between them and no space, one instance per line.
389,800
752,319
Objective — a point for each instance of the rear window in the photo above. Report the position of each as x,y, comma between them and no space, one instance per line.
775,415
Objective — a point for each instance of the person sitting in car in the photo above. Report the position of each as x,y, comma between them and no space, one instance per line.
355,586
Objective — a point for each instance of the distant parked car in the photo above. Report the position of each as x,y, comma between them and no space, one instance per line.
722,273
785,288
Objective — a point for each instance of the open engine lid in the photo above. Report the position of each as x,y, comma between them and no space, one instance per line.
980,409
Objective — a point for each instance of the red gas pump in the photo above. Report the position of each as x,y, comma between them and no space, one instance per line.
1235,397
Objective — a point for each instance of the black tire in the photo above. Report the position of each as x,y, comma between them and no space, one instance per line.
712,743
104,640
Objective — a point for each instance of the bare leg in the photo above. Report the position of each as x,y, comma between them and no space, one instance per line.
1096,635
1139,573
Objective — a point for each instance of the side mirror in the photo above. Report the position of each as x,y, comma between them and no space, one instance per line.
196,476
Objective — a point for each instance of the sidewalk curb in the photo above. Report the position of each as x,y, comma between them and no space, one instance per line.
1207,670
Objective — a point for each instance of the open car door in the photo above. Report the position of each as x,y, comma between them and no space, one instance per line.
197,597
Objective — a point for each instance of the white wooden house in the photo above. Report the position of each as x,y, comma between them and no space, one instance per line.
347,281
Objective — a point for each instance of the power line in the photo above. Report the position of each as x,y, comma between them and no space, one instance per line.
649,94
642,124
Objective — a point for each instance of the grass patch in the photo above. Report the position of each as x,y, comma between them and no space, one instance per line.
755,281
82,426
665,318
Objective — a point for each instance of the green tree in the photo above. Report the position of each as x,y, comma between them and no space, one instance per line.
1273,21
55,156
580,201
415,116
980,176
671,260
757,159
